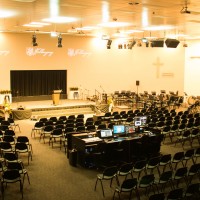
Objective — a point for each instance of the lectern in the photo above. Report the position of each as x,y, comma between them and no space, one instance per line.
56,96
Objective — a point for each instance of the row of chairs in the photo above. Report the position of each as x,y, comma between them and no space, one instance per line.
147,181
191,192
19,145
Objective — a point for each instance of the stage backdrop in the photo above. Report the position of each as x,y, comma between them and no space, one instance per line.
37,82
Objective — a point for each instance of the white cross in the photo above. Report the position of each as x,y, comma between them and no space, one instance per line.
158,64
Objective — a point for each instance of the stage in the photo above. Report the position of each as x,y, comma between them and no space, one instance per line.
37,109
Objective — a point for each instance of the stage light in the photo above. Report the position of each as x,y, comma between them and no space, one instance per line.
131,45
59,41
109,44
34,40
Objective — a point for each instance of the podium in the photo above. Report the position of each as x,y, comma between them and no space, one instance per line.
56,96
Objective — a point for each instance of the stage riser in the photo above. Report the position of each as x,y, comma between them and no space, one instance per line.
35,98
60,112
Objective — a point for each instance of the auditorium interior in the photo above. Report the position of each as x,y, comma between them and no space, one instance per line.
96,111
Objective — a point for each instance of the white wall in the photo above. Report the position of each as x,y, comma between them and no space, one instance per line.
90,65
192,69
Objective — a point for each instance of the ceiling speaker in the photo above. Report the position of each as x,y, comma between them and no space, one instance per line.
172,43
157,43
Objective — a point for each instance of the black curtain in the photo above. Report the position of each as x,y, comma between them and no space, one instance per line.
37,82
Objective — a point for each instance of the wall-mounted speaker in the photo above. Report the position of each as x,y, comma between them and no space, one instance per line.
172,43
157,43
137,83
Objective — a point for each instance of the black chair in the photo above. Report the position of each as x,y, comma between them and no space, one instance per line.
180,173
11,176
165,160
127,186
139,167
125,169
178,158
159,196
164,178
146,182
185,136
176,194
152,164
47,130
20,167
26,140
192,189
38,126
13,124
91,128
193,171
188,156
108,174
23,148
196,155
53,119
55,135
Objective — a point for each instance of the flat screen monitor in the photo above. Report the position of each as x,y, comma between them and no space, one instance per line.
130,129
106,133
140,121
119,130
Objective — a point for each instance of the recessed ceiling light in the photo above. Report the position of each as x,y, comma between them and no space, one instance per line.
59,19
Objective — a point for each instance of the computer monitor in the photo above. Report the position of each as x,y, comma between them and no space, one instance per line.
137,121
140,120
143,120
119,130
130,129
105,133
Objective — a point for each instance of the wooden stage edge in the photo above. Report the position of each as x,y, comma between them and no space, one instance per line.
49,104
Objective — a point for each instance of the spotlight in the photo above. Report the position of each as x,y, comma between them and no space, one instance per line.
34,40
109,44
131,45
59,41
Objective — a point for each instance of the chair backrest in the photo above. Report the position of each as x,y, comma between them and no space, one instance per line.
126,167
129,184
11,175
20,146
23,139
110,171
195,168
166,176
57,131
175,194
181,172
10,132
165,158
147,179
159,196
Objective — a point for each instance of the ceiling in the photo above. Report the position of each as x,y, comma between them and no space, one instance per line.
144,18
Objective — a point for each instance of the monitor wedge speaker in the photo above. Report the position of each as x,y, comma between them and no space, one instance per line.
157,43
172,43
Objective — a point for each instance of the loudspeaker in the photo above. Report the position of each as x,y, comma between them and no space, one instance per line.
172,43
137,83
157,43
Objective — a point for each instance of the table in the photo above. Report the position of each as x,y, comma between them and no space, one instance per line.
22,114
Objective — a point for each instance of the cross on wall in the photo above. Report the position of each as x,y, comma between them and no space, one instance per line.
158,64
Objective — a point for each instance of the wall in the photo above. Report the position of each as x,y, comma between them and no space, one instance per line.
192,69
93,67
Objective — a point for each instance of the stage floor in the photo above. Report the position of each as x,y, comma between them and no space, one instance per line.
49,104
